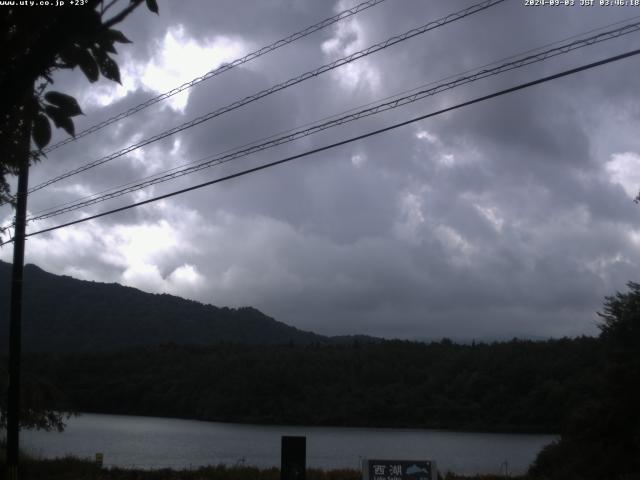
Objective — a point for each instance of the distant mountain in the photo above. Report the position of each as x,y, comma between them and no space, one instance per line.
63,314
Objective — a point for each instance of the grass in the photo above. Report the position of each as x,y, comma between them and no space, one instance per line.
73,468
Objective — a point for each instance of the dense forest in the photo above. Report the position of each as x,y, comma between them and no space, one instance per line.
512,386
129,352
64,314
601,433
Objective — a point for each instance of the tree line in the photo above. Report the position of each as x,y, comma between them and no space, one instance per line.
586,389
511,386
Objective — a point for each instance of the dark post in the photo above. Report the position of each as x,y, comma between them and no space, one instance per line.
293,459
15,320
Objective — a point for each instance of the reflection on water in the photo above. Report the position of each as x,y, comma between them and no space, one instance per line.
149,442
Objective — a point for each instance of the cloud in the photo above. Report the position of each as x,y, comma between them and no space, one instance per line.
177,59
181,59
513,217
624,169
350,38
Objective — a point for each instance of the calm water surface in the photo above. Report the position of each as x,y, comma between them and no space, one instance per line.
148,442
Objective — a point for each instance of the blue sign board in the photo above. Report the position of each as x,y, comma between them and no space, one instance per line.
399,470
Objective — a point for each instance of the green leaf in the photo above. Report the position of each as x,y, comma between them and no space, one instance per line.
68,126
60,120
91,21
54,113
88,65
70,55
41,131
152,5
110,69
115,36
104,46
66,103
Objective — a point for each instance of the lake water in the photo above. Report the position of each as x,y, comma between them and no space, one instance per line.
147,442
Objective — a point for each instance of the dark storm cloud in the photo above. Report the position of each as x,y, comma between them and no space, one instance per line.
498,220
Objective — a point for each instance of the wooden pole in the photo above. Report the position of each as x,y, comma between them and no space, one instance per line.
15,323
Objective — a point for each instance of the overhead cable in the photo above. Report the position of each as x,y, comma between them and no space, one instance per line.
217,71
335,115
276,88
211,161
521,86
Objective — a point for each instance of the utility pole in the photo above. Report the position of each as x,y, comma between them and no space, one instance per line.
15,319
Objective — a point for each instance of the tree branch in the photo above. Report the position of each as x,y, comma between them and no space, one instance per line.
109,5
123,14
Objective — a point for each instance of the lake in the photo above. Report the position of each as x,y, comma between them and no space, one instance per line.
148,442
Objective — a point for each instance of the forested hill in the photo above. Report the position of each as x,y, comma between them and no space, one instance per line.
515,386
63,314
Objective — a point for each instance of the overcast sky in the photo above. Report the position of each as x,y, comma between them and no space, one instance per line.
514,217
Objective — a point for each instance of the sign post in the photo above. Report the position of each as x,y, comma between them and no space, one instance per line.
293,462
399,470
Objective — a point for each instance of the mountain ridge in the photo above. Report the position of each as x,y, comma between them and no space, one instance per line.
65,314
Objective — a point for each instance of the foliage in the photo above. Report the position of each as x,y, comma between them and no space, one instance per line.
510,386
602,437
71,468
37,42
453,476
38,395
62,314
264,371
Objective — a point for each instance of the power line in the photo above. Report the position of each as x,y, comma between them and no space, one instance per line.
333,116
221,69
521,86
452,17
211,161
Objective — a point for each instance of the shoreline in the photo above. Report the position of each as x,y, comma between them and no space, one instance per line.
468,453
76,468
488,430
